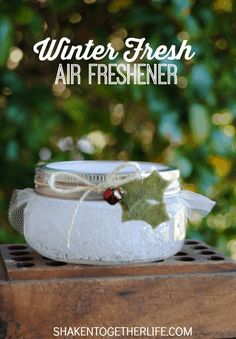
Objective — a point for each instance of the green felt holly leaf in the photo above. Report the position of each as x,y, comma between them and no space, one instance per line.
153,214
150,188
143,200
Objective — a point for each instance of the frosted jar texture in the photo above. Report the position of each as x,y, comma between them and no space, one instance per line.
98,234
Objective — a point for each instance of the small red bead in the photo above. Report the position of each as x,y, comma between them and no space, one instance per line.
113,195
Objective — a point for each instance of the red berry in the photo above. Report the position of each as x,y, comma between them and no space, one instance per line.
113,195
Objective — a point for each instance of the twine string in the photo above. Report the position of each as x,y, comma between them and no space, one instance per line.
86,186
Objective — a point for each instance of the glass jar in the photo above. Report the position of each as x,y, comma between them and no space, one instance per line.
97,235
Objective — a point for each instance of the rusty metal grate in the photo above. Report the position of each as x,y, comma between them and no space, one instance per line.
20,262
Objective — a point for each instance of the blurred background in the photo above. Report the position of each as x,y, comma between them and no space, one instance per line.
191,125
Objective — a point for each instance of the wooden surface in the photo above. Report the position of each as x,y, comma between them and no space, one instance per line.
196,287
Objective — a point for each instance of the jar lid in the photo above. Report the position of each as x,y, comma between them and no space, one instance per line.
96,172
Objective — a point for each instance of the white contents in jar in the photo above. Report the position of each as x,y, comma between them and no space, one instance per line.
98,234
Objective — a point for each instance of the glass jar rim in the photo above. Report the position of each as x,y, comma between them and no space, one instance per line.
97,171
103,167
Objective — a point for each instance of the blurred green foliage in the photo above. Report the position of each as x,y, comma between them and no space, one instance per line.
191,126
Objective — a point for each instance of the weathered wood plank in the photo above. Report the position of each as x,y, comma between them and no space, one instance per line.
198,292
207,302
